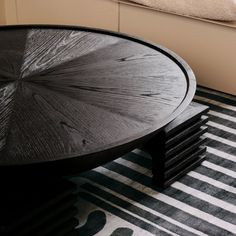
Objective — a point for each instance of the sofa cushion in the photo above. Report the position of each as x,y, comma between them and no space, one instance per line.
224,10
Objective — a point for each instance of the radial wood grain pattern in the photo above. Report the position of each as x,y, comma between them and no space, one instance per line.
68,93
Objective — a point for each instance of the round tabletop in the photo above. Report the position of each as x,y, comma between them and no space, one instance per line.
75,97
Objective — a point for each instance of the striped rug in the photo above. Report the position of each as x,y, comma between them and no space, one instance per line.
119,198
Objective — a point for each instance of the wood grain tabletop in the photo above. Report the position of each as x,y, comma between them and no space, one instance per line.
81,97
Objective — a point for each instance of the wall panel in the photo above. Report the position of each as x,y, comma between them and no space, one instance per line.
2,12
208,48
93,13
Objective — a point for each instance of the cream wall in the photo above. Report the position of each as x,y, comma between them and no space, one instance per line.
93,13
208,48
2,12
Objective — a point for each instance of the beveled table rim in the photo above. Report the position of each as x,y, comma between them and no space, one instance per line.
124,147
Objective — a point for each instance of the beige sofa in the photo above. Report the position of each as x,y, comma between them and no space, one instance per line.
208,46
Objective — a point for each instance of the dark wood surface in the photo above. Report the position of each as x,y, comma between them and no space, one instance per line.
78,97
26,206
180,146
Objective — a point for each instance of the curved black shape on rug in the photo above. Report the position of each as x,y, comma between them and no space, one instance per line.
96,222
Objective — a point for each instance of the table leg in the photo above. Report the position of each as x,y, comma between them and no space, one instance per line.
156,149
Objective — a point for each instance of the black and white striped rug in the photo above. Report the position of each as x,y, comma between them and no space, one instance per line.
119,198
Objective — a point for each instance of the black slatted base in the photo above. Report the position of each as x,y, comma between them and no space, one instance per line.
180,146
41,208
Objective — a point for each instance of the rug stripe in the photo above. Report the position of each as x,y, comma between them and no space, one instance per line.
203,202
201,205
216,175
124,207
222,127
222,116
206,205
148,198
221,134
221,154
142,178
136,167
205,197
197,176
140,210
123,214
220,161
216,103
211,190
177,204
162,216
220,158
129,173
142,153
229,113
138,159
216,97
209,149
219,139
224,147
218,120
227,158
213,182
220,94
218,168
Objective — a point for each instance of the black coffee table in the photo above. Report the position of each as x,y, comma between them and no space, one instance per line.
73,98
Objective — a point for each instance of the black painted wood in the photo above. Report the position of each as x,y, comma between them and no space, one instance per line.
73,98
37,207
182,134
73,233
49,220
185,152
189,139
25,202
66,228
66,219
188,117
191,166
185,162
179,147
